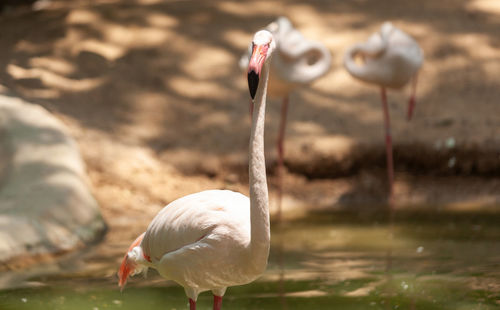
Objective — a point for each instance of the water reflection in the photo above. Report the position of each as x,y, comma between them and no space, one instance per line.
438,261
280,250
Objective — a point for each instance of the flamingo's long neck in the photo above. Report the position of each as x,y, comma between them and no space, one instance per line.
259,202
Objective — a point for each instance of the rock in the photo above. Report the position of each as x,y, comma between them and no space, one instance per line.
46,205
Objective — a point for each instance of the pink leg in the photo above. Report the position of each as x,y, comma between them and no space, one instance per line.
192,304
281,135
217,302
388,145
281,151
411,103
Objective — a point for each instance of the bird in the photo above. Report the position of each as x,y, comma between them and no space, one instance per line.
297,62
214,239
390,58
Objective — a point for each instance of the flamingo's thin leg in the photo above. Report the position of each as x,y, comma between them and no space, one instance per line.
217,302
388,145
281,151
411,103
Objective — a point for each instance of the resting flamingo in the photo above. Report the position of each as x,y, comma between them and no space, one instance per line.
216,238
390,58
297,62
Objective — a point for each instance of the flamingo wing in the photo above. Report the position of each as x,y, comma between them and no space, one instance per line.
189,219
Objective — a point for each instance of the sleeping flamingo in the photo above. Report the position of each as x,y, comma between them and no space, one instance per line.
390,58
296,62
216,238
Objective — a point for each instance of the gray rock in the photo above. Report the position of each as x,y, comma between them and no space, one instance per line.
46,205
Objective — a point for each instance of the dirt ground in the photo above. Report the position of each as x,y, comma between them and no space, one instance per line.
152,92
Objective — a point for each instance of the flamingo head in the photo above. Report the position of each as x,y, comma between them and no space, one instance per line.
262,48
127,268
129,264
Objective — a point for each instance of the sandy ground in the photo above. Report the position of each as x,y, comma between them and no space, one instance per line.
152,92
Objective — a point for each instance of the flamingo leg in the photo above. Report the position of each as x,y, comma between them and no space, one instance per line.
388,145
217,302
281,151
192,304
411,103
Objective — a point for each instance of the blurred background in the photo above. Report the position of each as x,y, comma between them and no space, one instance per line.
150,98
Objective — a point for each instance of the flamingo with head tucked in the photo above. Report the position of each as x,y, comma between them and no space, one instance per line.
297,62
389,58
218,238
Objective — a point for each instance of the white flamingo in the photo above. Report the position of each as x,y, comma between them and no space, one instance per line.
296,62
389,58
217,238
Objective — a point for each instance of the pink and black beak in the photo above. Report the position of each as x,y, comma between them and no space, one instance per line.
257,60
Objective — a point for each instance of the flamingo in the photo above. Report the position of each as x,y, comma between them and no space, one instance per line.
216,238
390,59
297,62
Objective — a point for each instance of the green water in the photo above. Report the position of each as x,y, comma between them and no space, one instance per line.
329,261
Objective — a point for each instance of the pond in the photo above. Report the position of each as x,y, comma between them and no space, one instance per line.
431,260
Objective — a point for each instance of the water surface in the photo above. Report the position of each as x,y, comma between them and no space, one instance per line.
343,261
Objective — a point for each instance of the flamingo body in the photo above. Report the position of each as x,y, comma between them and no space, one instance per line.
296,62
201,241
390,58
216,238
